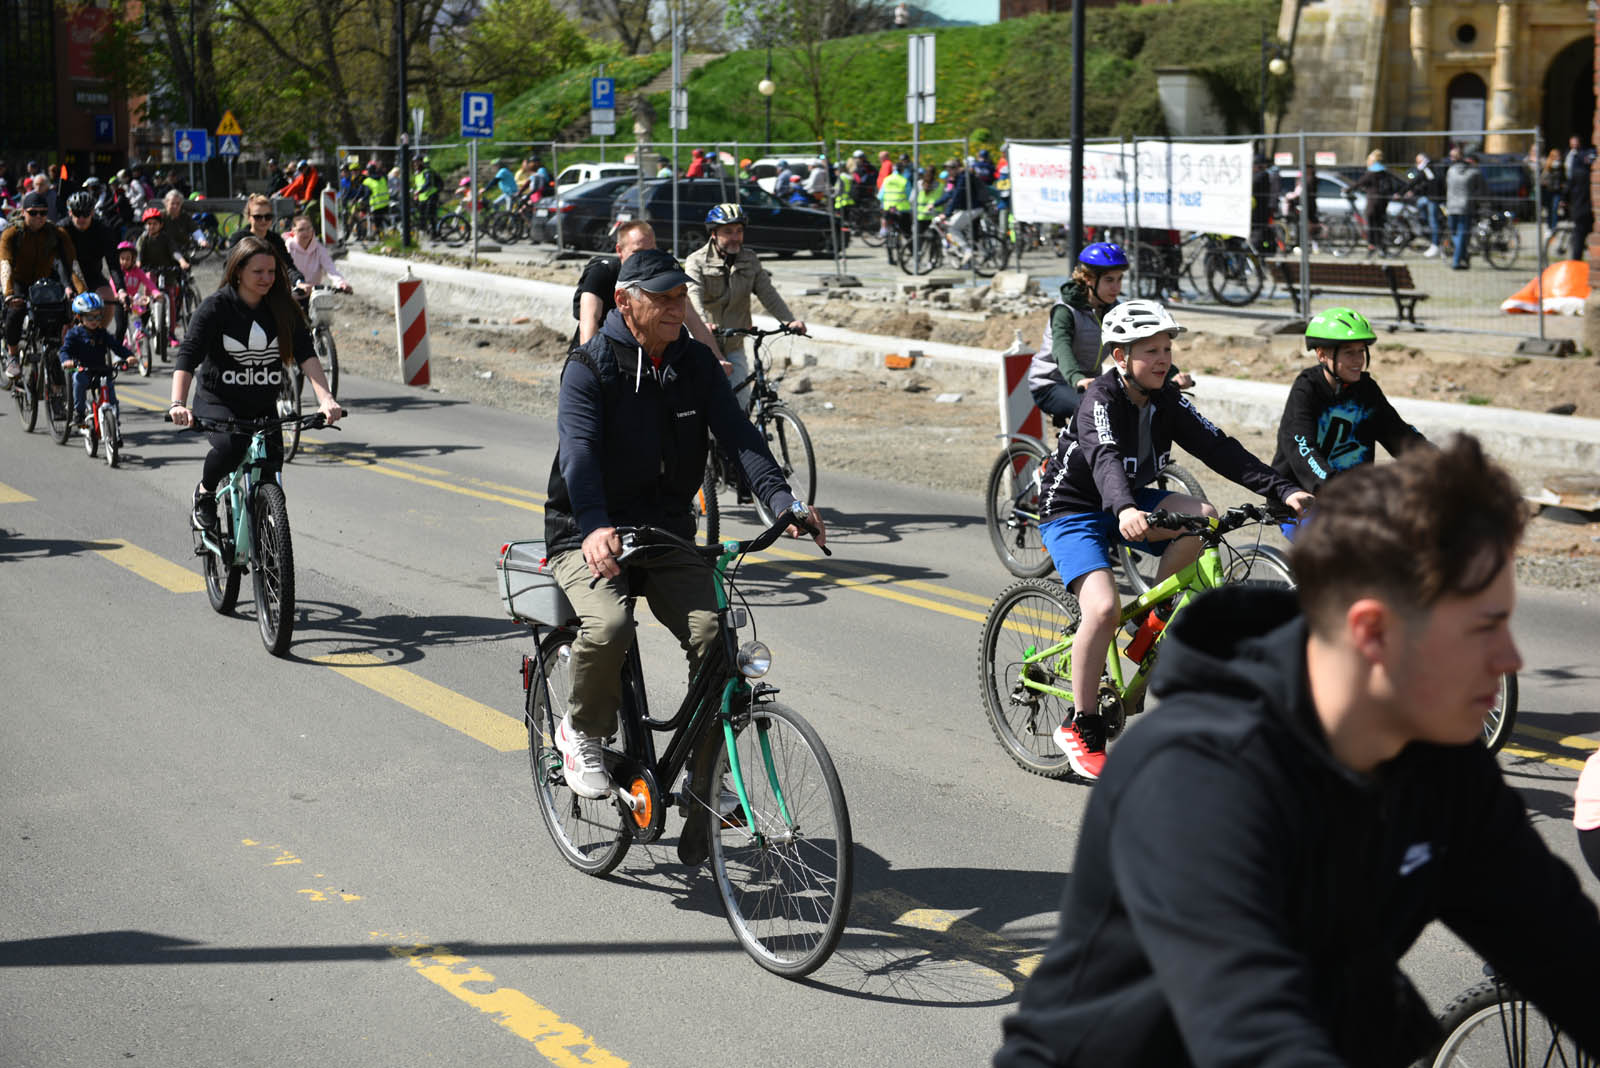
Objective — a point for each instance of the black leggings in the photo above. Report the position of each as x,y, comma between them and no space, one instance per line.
228,452
1589,846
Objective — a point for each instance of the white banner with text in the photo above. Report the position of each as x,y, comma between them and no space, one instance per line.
1176,185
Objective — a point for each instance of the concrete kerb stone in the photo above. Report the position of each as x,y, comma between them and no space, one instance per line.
1527,437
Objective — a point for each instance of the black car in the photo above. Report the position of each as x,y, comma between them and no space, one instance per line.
770,225
585,215
1509,180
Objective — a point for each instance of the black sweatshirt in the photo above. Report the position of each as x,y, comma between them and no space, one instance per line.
1325,431
233,349
632,438
1241,898
1098,465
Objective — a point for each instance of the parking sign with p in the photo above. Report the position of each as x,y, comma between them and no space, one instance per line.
477,114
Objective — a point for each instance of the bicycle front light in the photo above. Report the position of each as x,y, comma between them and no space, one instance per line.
754,660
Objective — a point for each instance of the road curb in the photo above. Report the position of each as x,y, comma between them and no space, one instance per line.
1525,437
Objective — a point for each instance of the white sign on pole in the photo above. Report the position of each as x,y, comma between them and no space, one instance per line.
602,122
680,109
416,124
1467,118
919,78
1182,185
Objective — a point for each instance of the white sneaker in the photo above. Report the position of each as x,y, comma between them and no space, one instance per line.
583,761
1430,252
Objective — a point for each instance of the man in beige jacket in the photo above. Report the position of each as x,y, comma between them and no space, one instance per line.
722,278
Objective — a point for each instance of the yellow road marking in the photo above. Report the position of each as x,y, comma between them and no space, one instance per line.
11,495
562,1044
985,947
874,585
1569,741
384,468
487,725
129,397
1541,756
147,565
910,584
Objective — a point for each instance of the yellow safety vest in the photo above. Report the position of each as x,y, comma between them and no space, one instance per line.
925,199
377,193
894,192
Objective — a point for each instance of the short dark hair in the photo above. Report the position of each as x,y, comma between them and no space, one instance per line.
1434,523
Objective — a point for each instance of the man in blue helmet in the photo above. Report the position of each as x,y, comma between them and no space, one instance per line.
1069,354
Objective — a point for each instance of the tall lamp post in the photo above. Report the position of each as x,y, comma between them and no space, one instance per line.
766,87
1273,63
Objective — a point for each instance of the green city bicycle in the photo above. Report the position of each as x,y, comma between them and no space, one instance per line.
252,531
753,781
1025,652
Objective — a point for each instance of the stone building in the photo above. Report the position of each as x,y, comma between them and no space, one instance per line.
1446,65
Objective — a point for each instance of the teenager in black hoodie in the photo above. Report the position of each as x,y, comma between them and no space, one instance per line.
1265,845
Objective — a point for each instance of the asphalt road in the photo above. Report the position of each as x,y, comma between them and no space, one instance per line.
217,857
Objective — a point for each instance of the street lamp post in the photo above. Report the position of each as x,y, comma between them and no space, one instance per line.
766,87
1272,62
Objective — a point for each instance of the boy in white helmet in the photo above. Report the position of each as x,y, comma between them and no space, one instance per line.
1095,493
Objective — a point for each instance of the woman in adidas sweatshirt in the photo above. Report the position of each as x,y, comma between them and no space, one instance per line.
241,343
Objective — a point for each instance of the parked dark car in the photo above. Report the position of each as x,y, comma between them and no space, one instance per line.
585,214
1509,180
770,226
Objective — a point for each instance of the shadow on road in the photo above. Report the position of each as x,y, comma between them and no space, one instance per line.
13,547
323,628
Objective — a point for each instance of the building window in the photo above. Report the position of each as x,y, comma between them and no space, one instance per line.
27,92
1465,34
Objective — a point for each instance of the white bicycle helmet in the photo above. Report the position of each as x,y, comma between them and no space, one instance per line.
1134,319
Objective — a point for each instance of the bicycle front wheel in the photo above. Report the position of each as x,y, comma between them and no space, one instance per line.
1499,721
1501,245
791,447
1491,1025
57,401
866,223
707,501
328,353
591,835
502,226
273,574
1261,565
1233,275
1011,510
289,405
1027,618
26,390
454,230
785,881
1140,568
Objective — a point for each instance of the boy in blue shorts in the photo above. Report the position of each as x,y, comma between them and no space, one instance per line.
84,349
1095,492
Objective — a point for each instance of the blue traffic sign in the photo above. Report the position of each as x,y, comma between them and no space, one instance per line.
105,129
477,114
191,146
228,146
602,93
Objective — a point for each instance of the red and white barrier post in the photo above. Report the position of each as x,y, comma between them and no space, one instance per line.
411,324
330,217
1018,415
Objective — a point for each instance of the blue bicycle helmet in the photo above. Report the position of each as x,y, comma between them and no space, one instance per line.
84,303
725,215
1103,256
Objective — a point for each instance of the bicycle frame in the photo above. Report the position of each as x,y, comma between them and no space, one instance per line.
238,488
1204,574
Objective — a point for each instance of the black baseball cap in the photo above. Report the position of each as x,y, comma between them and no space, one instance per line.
38,200
653,270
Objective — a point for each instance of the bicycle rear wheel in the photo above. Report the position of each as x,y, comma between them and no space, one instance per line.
222,580
1501,246
791,447
785,882
1490,1025
502,226
707,500
1028,616
454,230
289,405
1140,568
56,400
591,835
26,390
866,223
1233,275
273,575
1011,510
328,354
1500,720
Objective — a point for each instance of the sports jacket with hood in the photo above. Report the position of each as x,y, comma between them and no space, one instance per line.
1241,898
632,438
1099,463
232,349
1325,431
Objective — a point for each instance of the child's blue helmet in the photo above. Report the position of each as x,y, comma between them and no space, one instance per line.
1103,256
84,303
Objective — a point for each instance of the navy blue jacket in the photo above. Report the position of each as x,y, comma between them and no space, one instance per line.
88,347
632,439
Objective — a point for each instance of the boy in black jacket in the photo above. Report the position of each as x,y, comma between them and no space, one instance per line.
1310,794
1336,415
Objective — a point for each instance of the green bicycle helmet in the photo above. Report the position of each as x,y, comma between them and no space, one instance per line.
1337,326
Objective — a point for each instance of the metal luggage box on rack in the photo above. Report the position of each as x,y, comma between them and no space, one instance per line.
528,591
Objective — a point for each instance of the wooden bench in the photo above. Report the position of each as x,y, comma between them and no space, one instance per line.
1355,279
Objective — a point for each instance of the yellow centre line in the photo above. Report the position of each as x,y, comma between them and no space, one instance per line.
12,495
1567,741
386,467
147,565
472,718
983,947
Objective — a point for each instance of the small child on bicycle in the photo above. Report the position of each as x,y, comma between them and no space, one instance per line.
1336,415
84,349
138,290
1095,492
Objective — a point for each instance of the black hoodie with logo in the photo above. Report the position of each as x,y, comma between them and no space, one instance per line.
1241,898
232,349
1325,430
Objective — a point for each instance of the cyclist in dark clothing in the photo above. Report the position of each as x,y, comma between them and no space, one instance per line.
241,340
1262,851
1336,414
96,245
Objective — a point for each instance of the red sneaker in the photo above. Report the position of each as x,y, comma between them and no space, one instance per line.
1083,739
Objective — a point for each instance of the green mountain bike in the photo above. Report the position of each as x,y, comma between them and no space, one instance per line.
1025,651
752,779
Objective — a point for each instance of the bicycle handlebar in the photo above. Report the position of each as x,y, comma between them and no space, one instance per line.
751,331
1232,519
637,539
314,421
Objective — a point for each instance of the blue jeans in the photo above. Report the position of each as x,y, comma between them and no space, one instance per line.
1431,212
80,390
1459,225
